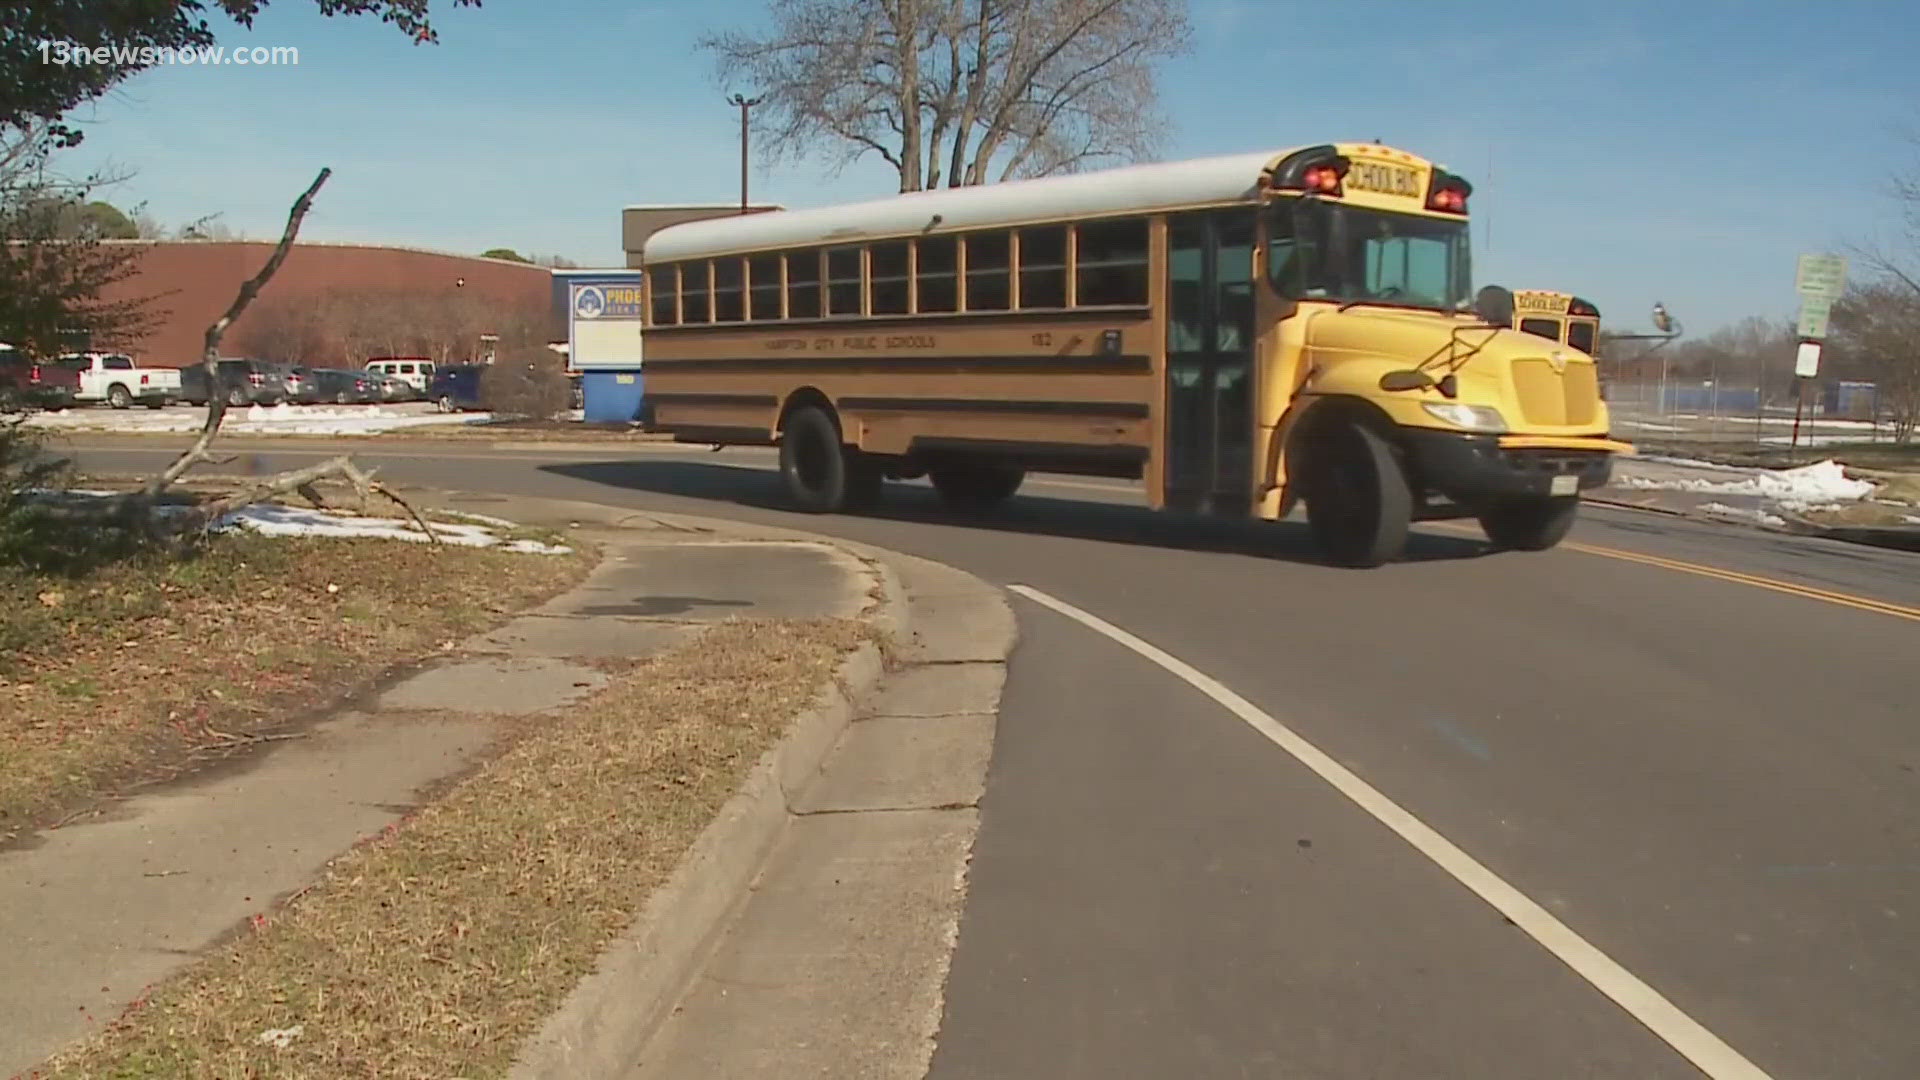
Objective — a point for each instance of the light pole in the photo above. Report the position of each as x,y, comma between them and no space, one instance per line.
744,103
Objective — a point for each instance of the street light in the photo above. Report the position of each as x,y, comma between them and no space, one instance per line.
744,103
1669,328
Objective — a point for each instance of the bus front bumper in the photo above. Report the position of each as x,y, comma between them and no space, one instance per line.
1474,468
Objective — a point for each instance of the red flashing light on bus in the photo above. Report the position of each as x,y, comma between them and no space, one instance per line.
1323,178
1451,200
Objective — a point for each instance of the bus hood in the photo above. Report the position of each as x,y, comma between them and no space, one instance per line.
1538,385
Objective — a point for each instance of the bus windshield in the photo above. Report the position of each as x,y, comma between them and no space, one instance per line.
1322,250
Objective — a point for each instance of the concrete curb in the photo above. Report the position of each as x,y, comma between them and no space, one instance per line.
608,1019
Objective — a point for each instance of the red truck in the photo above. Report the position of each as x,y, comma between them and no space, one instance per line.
26,383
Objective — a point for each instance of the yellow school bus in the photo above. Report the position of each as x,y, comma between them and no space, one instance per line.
1241,333
1558,316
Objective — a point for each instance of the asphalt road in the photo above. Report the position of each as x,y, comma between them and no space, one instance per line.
1683,741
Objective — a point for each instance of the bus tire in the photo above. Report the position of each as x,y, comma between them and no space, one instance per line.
821,476
1529,524
976,485
1359,506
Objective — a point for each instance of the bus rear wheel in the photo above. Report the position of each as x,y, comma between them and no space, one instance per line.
1359,506
976,485
1529,524
822,475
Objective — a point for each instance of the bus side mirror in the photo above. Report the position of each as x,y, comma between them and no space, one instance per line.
1494,306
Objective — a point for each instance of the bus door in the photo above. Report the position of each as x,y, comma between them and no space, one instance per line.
1208,440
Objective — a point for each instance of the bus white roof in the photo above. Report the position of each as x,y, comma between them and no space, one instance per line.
1117,191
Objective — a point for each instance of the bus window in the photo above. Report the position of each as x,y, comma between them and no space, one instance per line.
935,278
1346,252
666,295
693,292
887,266
803,285
1580,335
843,281
729,290
1110,263
1043,267
989,287
1546,328
763,287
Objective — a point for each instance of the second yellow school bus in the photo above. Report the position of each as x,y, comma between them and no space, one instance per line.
1240,332
1558,316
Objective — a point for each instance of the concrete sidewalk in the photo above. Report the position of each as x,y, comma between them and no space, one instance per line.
97,911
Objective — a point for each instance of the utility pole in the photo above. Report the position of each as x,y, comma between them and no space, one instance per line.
744,103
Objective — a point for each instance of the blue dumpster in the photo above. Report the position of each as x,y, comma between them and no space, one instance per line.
610,397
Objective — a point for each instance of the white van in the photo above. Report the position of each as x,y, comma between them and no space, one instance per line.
415,371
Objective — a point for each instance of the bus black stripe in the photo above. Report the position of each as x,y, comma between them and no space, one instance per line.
1130,410
1041,364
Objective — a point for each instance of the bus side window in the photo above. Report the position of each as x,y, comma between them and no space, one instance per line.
763,287
666,295
729,290
1546,328
937,288
803,285
843,281
1287,255
989,271
1110,263
1043,267
694,294
887,267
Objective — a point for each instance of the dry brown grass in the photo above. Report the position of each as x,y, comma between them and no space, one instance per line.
436,949
125,674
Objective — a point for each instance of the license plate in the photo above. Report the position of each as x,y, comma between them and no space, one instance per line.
1565,485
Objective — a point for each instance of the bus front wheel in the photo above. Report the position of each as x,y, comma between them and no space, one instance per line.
976,485
821,475
1529,524
1359,506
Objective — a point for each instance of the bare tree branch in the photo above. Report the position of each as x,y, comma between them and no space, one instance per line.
950,91
210,355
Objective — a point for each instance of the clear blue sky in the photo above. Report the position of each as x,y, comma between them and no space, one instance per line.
1684,151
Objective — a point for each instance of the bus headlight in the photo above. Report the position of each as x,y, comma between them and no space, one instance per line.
1482,418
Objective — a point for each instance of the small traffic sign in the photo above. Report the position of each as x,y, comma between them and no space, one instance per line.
1821,277
1814,312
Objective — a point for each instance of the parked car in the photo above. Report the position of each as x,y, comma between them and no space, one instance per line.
115,379
240,381
342,387
28,383
416,371
456,387
394,388
299,383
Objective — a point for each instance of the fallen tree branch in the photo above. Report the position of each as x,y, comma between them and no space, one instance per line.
207,515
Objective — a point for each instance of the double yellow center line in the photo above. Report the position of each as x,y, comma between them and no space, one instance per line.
1881,607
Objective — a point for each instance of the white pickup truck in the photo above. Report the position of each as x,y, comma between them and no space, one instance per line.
116,380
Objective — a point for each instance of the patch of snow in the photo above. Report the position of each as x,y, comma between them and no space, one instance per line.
1823,481
272,520
1758,516
1909,519
482,519
257,419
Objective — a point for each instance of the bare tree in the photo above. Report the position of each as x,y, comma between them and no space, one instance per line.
958,92
1876,337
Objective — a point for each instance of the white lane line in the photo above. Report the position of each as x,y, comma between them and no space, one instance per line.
1680,1031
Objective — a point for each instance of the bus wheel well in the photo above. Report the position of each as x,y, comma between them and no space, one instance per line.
802,398
1340,410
